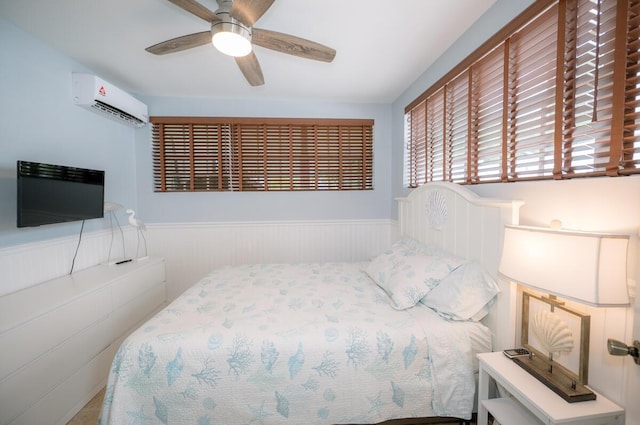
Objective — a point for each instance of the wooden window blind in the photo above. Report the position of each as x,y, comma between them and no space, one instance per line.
457,128
254,154
530,100
487,106
435,136
554,94
415,147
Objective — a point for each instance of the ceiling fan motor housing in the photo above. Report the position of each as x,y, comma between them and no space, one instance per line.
224,5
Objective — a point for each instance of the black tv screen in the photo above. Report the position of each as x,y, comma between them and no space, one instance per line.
50,194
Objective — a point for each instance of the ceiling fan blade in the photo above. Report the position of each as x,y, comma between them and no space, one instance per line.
180,43
249,11
250,68
292,45
192,6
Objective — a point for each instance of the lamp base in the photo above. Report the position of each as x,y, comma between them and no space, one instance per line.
563,385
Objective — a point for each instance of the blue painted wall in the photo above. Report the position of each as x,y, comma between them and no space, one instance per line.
40,123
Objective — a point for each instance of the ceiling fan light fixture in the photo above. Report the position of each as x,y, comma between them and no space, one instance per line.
231,38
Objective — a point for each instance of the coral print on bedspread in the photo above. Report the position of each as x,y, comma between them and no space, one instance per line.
291,344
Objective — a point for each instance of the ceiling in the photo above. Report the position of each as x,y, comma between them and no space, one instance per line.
382,46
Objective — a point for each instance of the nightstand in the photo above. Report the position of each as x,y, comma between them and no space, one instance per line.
532,402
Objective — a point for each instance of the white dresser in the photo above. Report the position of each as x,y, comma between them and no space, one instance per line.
58,338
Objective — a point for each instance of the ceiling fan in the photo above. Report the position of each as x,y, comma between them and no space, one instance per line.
232,32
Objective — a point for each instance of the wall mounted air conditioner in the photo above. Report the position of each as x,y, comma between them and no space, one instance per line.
99,96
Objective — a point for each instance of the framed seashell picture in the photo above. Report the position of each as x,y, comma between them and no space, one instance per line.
556,333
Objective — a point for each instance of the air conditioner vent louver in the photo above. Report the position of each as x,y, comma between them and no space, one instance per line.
103,98
118,114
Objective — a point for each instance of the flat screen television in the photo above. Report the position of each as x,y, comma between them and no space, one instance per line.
50,194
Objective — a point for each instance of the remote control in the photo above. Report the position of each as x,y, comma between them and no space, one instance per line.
516,352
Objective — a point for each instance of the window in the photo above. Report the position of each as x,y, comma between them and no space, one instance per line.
261,154
555,94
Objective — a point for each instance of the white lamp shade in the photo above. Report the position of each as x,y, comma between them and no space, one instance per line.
590,268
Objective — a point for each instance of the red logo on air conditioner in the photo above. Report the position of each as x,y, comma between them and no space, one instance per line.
102,91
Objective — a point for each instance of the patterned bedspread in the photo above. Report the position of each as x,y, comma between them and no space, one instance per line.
291,344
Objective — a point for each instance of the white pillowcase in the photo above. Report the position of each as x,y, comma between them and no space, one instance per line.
381,266
414,276
465,294
412,272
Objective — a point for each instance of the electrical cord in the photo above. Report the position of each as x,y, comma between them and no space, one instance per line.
73,262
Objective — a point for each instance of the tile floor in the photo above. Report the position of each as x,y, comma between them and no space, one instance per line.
89,413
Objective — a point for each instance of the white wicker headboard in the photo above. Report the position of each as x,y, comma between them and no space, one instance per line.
462,223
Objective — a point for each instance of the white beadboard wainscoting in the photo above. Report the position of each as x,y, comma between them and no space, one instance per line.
26,265
191,250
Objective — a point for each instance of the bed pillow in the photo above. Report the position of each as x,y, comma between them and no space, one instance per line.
414,276
381,266
467,293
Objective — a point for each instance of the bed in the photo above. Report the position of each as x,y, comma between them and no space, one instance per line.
330,343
